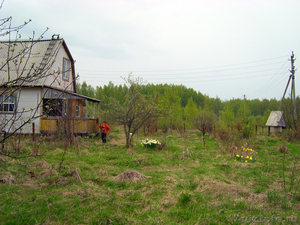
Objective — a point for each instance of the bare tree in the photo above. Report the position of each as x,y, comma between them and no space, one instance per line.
204,122
135,111
19,70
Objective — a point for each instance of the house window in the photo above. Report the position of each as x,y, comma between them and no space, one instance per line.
66,69
53,107
7,103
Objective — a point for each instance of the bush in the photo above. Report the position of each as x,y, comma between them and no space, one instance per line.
227,137
292,135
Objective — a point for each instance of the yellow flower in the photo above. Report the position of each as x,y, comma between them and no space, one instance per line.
242,156
237,156
250,157
235,160
247,157
246,161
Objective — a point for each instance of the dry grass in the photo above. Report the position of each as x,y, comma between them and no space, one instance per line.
172,179
215,188
31,184
283,149
120,141
102,173
85,152
45,173
57,151
7,178
131,176
42,164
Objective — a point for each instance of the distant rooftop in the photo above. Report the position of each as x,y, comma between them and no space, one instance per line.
276,119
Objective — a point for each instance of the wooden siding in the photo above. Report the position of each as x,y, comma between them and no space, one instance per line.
57,81
26,107
78,125
81,107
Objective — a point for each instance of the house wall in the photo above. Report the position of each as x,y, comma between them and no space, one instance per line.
276,129
27,101
58,66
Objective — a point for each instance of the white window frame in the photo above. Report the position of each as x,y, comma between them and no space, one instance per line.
7,103
66,69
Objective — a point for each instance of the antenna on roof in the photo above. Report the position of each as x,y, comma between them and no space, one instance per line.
55,35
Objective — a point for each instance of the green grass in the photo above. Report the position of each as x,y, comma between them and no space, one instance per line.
186,183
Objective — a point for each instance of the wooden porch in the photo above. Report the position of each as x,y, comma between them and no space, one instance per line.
68,111
77,125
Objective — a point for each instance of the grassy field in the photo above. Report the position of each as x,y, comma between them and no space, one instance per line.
182,183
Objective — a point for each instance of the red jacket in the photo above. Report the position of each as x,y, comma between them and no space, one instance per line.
106,127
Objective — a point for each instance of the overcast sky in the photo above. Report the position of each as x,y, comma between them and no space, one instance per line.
224,48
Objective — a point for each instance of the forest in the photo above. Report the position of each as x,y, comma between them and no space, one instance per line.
180,102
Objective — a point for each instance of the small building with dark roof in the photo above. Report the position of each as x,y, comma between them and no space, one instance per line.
276,122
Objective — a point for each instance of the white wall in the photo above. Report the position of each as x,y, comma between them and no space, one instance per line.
58,66
276,129
27,100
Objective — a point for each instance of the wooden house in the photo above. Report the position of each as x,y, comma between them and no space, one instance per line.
276,122
42,85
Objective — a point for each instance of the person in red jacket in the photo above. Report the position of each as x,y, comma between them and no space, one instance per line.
103,130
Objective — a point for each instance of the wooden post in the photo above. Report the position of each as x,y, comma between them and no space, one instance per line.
33,132
269,130
98,109
93,109
86,108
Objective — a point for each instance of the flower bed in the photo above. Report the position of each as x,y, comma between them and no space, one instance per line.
246,155
150,143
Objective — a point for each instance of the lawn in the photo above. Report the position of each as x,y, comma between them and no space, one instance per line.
180,183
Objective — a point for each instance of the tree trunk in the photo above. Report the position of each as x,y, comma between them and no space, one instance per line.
127,141
203,136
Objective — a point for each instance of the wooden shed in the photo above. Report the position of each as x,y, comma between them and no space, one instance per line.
276,122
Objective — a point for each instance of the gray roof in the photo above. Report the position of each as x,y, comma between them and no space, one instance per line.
276,119
37,57
52,92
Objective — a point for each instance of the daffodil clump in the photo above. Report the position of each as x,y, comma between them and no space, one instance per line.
246,155
150,143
